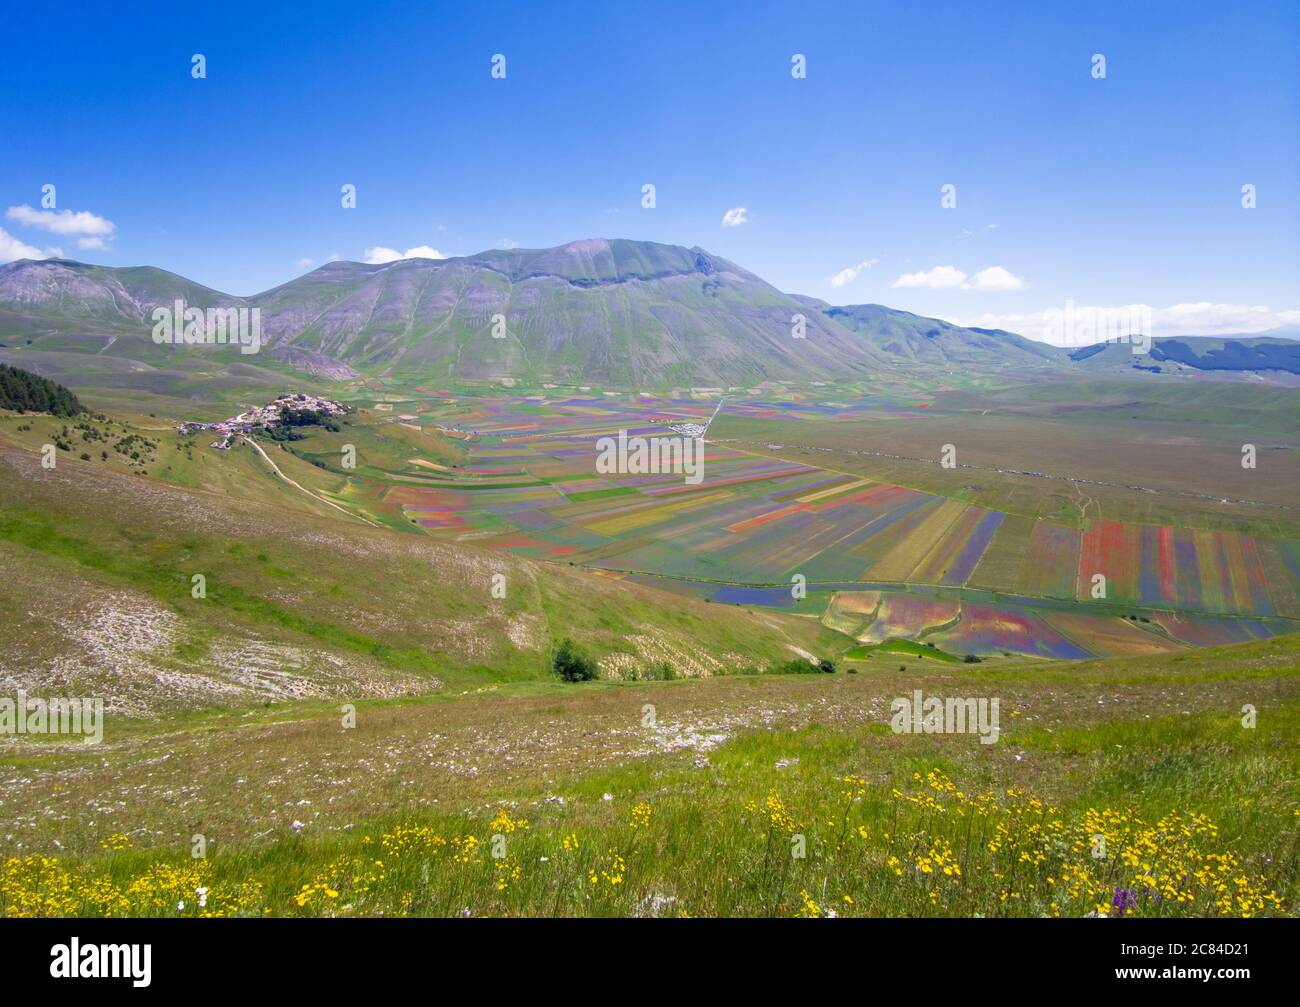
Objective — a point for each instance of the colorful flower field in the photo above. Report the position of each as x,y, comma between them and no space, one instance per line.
753,522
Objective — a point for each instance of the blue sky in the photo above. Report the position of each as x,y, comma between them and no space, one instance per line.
1106,192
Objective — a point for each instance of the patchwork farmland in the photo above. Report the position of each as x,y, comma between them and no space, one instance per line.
965,577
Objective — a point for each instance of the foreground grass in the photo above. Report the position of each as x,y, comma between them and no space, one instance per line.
1178,814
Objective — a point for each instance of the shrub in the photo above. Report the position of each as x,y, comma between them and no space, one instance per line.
661,671
801,666
665,672
971,659
572,664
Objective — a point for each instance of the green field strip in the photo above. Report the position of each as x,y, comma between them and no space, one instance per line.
999,567
613,491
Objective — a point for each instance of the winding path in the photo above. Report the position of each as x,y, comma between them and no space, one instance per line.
315,496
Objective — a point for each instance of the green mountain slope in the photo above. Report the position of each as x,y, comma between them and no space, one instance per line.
75,299
598,311
931,341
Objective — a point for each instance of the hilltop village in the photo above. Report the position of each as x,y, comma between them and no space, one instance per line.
291,409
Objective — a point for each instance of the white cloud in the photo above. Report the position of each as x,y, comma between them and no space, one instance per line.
424,252
1078,325
94,244
948,277
11,249
305,263
938,278
62,221
509,243
379,255
849,274
995,278
736,216
1211,319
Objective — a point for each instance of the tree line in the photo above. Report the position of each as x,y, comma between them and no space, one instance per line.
25,392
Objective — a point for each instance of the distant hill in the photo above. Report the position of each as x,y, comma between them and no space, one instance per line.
1281,332
1195,353
605,312
63,296
600,311
1208,354
934,342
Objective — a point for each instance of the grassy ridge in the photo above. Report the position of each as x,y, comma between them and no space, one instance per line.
275,572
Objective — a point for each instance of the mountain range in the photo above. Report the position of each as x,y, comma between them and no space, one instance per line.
599,311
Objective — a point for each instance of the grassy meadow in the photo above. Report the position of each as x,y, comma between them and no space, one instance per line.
1114,788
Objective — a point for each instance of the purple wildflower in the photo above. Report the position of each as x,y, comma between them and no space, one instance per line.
1124,900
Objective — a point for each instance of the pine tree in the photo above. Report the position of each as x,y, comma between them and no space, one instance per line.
25,392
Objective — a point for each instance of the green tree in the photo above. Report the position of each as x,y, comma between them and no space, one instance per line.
572,664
